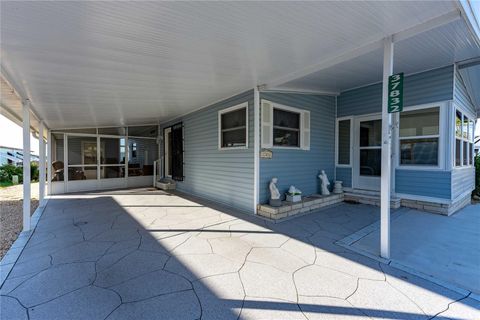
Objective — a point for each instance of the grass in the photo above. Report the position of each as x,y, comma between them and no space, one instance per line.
4,184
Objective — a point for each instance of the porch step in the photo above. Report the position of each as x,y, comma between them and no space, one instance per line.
166,184
369,197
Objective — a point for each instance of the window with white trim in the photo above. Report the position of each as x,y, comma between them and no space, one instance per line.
233,127
419,137
285,127
464,139
343,142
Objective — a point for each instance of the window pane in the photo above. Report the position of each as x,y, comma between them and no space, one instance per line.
116,131
142,153
344,142
419,151
465,153
465,127
370,133
471,130
234,138
458,124
458,144
471,153
419,122
234,119
286,119
82,150
112,150
82,173
371,162
287,138
143,131
57,157
107,172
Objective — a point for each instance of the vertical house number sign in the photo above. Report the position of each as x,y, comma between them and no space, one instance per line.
395,93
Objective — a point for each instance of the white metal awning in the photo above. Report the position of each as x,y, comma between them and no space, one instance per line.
114,63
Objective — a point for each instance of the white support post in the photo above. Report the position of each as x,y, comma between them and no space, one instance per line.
256,147
26,165
49,162
386,153
41,173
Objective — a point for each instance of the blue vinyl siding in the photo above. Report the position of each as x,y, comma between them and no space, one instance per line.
461,96
435,184
224,176
344,174
426,87
301,167
463,180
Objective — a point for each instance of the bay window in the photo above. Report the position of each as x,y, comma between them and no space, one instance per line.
464,138
419,136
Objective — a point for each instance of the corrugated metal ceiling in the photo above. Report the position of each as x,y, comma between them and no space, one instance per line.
109,63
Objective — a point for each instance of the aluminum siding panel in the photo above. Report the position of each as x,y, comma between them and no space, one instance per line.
301,167
426,87
224,176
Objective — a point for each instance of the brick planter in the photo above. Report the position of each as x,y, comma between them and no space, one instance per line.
289,209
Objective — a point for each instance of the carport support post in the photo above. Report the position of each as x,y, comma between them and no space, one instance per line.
41,173
256,147
26,165
386,153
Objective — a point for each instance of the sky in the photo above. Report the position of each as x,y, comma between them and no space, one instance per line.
11,135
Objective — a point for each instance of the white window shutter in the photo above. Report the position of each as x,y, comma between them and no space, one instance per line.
305,129
267,124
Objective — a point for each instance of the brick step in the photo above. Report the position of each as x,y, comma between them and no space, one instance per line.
371,199
165,184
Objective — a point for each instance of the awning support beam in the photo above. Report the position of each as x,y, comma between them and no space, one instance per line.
41,173
26,165
386,152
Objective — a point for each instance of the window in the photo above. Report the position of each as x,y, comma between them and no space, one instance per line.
464,138
284,127
82,158
146,152
419,137
112,161
233,127
343,138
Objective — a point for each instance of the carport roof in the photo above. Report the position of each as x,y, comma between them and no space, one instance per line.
116,63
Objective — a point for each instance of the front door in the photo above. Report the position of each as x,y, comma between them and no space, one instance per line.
368,153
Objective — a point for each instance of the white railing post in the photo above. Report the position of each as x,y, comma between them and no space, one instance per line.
41,173
386,153
26,165
155,163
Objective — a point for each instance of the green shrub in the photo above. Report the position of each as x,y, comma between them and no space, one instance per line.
34,171
8,170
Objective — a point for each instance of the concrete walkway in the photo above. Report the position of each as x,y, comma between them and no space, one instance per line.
141,254
444,248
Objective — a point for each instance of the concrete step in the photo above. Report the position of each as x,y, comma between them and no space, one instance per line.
369,197
166,184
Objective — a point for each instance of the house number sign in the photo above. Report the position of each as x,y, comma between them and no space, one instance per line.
395,93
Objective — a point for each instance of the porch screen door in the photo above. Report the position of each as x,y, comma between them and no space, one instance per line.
177,152
369,154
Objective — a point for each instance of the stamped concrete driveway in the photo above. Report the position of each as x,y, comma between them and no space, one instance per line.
142,254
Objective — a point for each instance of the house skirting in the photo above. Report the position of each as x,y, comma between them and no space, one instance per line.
446,209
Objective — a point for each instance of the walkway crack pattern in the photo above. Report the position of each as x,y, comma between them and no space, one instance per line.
171,258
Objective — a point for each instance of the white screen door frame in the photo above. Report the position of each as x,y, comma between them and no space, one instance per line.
360,179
